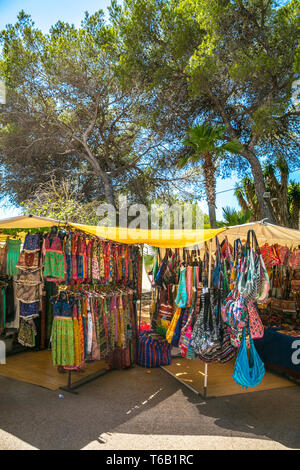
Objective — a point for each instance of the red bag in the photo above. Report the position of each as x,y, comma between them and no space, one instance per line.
255,323
294,259
269,255
282,253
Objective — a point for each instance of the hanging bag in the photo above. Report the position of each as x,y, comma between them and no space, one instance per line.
250,280
173,324
181,298
248,372
255,324
269,255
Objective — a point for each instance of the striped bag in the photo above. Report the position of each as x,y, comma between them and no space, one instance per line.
152,351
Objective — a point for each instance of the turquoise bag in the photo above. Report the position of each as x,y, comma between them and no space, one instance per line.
248,373
181,298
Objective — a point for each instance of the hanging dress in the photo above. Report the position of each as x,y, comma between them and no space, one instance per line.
55,266
14,247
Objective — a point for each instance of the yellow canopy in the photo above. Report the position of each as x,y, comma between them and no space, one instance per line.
265,232
159,238
28,221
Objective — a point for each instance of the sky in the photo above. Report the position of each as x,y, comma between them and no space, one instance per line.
45,13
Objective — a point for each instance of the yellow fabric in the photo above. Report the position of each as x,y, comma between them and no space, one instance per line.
162,238
172,327
26,221
158,238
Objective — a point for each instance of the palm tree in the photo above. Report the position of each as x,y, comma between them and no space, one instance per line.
233,217
204,140
284,196
294,204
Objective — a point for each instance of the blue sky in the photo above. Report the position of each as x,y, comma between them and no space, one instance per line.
45,13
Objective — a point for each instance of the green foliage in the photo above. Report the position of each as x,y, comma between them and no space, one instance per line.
204,138
233,217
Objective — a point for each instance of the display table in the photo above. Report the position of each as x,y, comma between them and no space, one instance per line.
280,350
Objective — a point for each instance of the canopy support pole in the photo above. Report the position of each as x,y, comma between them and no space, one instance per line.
209,286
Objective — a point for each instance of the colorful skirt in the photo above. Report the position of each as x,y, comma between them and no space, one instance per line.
63,342
55,266
27,333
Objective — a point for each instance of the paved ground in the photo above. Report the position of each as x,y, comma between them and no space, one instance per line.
135,410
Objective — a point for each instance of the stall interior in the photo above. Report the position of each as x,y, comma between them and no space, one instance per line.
218,308
73,293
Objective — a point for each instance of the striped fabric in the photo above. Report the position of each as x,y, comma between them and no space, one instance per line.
153,353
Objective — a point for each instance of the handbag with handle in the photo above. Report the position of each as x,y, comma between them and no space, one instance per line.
255,324
248,372
250,281
269,255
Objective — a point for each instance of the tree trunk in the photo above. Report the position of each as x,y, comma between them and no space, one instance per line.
210,188
109,193
260,189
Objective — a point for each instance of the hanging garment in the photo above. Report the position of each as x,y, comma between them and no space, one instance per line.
189,284
32,242
3,256
29,277
248,373
29,311
13,254
55,266
181,299
173,324
28,260
62,341
282,253
27,293
27,333
3,287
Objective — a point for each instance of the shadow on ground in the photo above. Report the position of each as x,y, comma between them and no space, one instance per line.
134,402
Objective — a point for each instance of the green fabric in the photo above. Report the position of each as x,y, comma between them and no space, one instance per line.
63,347
14,247
54,265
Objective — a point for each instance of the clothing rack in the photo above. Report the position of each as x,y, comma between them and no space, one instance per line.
71,388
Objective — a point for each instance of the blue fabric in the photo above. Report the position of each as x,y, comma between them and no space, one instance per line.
153,353
32,242
29,310
181,299
248,373
276,348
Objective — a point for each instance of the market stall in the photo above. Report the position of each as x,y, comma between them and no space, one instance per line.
212,306
74,288
66,289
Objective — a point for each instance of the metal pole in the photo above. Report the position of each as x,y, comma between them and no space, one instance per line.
209,286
